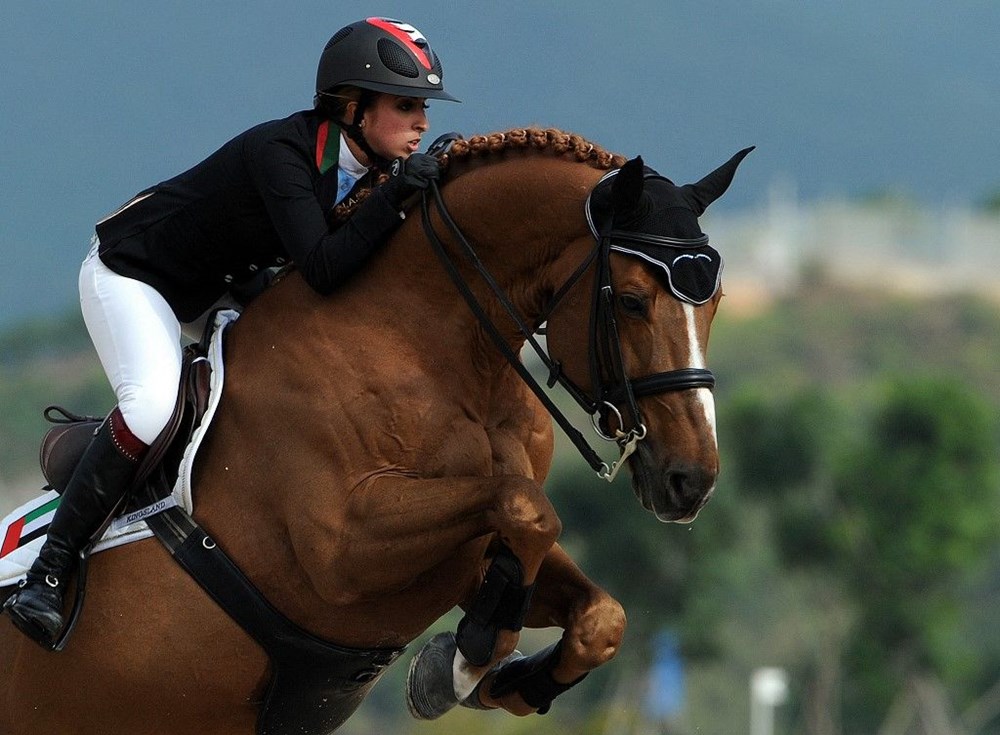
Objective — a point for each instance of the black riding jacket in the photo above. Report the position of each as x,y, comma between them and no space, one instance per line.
257,202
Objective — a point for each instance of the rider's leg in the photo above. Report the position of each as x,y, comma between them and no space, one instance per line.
137,339
97,486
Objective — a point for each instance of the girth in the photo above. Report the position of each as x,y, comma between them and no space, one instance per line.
315,685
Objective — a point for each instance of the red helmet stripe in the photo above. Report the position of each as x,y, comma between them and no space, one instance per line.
403,37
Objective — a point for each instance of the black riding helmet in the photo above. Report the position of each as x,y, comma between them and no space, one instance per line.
381,55
378,55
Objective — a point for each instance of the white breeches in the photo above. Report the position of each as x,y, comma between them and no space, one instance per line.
137,338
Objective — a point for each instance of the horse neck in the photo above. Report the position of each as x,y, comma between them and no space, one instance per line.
525,219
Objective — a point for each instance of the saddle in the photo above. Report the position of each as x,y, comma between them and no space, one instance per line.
314,685
64,444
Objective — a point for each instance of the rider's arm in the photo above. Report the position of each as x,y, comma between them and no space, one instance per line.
376,217
325,258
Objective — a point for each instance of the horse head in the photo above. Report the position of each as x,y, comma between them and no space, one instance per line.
653,294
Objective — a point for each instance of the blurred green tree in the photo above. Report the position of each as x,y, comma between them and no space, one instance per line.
918,501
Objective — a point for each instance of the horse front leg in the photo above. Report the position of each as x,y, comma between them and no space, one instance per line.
416,525
428,537
593,624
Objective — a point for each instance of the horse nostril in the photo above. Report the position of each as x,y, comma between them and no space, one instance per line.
690,484
677,482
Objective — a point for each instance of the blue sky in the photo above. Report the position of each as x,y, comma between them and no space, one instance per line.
847,98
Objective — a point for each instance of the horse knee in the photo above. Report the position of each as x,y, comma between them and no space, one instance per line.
525,511
596,635
552,527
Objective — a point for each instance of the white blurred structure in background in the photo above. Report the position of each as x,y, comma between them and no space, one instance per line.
885,243
768,689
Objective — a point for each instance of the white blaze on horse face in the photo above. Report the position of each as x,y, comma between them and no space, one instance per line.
696,359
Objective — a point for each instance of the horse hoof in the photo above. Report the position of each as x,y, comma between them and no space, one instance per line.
430,691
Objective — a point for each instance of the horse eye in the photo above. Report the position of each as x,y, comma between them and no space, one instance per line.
632,305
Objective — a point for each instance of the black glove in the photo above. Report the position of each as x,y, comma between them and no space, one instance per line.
410,175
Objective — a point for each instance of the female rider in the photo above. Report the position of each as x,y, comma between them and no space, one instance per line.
163,259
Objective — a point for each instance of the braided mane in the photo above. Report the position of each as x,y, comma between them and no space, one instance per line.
546,140
549,139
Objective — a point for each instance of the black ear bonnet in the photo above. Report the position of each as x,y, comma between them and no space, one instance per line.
645,215
662,230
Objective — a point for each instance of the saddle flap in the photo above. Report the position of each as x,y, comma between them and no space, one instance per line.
64,444
62,447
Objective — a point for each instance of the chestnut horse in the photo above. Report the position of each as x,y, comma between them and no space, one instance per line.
374,448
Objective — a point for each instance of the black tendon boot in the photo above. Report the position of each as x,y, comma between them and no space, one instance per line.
100,481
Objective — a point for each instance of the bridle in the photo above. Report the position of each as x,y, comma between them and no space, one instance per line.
612,386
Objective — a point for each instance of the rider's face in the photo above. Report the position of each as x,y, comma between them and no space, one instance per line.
393,125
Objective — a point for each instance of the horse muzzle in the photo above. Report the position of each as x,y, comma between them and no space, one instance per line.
674,492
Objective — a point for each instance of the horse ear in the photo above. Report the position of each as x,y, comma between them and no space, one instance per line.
713,186
627,187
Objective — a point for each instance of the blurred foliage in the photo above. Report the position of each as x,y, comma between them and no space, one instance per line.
42,363
920,495
852,538
846,341
781,444
897,516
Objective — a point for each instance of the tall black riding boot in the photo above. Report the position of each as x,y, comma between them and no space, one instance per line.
99,482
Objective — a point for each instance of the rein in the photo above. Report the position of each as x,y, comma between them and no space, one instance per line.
605,355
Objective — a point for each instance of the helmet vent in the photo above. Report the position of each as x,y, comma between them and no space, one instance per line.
396,59
339,36
435,63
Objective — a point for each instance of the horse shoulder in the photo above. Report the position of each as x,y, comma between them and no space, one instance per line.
522,441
